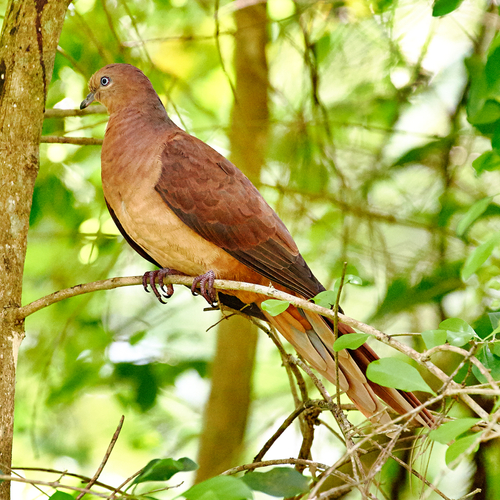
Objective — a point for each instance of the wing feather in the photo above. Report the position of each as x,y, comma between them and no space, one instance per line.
211,196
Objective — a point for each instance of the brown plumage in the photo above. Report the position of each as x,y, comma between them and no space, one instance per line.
183,206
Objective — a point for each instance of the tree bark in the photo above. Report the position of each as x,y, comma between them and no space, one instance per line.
227,410
29,38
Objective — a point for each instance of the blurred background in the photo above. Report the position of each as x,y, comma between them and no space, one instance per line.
359,122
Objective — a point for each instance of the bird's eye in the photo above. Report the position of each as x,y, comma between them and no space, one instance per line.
105,81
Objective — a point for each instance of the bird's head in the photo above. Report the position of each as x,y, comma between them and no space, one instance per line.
118,85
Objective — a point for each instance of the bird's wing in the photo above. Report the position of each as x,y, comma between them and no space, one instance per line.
212,197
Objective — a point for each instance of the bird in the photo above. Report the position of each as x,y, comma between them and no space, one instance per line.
188,210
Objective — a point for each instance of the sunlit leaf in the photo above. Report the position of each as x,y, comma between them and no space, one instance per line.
275,307
494,319
219,488
490,160
278,482
433,338
472,214
459,332
490,361
137,337
489,113
423,154
443,7
479,256
60,495
349,279
461,446
393,372
164,469
325,299
451,430
350,341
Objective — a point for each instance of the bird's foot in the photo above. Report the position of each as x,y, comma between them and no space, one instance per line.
150,278
206,282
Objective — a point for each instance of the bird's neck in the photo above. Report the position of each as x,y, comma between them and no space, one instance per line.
134,132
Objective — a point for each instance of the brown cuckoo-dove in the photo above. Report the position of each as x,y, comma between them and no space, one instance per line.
188,210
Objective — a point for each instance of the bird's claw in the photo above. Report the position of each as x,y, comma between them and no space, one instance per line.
206,282
150,278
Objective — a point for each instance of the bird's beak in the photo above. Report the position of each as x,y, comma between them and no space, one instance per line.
87,100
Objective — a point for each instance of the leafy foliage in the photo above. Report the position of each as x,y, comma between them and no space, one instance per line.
393,372
350,341
60,495
275,307
451,430
164,469
219,488
278,482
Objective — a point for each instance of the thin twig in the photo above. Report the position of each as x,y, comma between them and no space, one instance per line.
119,488
421,358
288,421
69,474
268,463
106,457
51,484
95,109
77,141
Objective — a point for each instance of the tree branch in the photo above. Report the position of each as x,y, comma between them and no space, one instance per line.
79,141
63,113
19,314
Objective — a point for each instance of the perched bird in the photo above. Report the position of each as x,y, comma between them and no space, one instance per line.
188,210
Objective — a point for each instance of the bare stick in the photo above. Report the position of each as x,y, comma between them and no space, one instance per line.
78,141
421,358
280,461
282,428
106,457
63,113
69,474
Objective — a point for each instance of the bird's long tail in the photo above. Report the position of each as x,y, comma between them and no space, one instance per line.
313,338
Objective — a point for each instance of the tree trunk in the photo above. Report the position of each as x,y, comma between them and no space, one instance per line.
29,38
227,409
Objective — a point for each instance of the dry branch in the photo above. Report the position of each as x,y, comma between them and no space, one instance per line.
422,359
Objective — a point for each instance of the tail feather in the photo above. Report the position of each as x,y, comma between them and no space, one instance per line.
313,338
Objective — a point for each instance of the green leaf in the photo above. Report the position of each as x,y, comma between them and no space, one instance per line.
349,279
59,495
451,430
393,372
458,331
278,482
494,319
459,447
275,307
219,488
423,154
353,280
478,257
490,160
325,299
164,469
472,214
137,337
489,113
443,7
432,338
496,406
490,361
350,341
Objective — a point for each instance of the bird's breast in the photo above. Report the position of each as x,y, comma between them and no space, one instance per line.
129,176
